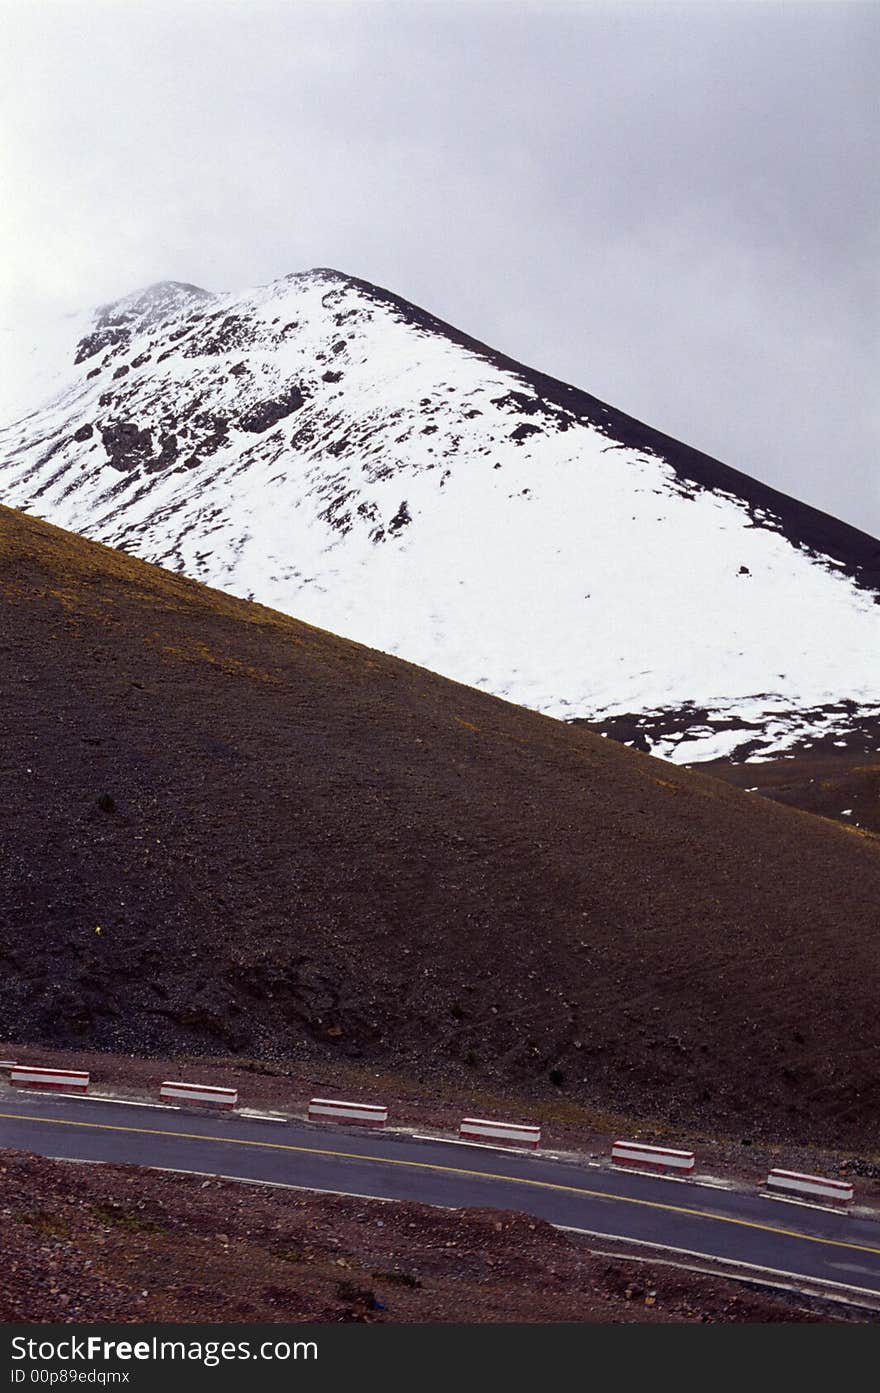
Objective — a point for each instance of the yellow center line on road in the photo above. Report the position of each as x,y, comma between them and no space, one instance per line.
444,1170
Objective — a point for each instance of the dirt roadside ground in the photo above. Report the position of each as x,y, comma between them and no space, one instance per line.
118,1243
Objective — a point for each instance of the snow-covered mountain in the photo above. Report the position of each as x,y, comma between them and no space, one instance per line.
327,448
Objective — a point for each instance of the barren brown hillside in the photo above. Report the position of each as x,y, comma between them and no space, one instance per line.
222,829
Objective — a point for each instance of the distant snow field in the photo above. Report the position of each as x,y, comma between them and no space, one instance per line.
321,447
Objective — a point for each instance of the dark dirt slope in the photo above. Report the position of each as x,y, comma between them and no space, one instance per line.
295,846
842,784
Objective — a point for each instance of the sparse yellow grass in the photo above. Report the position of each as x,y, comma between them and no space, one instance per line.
859,832
200,652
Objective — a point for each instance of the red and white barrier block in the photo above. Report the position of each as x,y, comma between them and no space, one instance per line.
810,1186
499,1133
662,1159
201,1094
55,1080
361,1114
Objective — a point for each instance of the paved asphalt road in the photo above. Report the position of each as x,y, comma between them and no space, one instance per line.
808,1243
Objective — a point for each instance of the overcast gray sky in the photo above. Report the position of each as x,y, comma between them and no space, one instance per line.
672,205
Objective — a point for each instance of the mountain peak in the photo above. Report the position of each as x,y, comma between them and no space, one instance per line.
326,273
117,321
162,298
